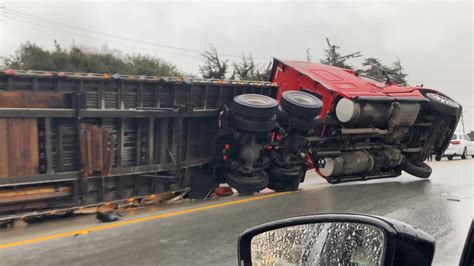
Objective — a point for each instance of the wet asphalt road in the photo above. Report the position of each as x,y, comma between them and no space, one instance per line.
441,206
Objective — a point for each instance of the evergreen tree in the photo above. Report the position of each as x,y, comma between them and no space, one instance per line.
375,69
334,58
247,69
397,74
213,66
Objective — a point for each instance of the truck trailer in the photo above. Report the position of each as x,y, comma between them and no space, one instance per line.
79,139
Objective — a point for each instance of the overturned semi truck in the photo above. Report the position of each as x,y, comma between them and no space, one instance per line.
346,126
76,139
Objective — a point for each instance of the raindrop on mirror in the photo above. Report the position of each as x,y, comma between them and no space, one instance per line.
323,244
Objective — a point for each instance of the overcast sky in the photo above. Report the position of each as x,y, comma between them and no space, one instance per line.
434,40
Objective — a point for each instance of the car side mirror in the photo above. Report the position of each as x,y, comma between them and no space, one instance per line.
467,258
335,239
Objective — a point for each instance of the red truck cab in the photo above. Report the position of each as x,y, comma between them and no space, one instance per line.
382,126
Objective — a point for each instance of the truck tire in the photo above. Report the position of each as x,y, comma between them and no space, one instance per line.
298,162
261,165
245,123
438,158
255,105
248,185
280,174
302,123
283,187
464,154
300,104
421,170
450,157
284,179
443,104
286,182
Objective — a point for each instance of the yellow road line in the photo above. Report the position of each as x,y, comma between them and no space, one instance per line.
137,220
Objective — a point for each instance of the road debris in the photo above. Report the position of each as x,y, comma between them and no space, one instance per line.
108,217
454,200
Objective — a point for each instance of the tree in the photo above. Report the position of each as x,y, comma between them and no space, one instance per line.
397,74
247,69
147,65
244,70
31,56
334,58
213,66
375,70
264,73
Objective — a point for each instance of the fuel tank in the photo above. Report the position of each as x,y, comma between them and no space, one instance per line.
348,163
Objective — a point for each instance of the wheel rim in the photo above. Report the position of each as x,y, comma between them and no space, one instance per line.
302,98
257,100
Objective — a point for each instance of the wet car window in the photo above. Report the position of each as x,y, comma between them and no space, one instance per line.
320,244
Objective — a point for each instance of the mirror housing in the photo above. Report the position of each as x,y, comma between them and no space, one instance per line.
467,258
405,244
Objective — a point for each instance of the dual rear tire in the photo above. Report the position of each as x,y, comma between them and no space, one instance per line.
254,113
251,124
255,106
300,104
298,110
248,184
282,179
